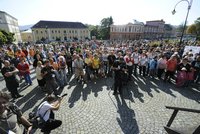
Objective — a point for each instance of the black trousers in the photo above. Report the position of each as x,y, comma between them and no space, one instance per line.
130,71
160,72
12,88
142,70
169,75
69,67
117,85
51,124
135,69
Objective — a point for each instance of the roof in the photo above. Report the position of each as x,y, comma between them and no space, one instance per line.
7,14
58,24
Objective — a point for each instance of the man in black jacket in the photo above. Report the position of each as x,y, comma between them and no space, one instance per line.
9,74
119,67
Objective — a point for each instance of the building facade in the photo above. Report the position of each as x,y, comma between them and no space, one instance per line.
10,24
129,31
154,29
27,36
59,31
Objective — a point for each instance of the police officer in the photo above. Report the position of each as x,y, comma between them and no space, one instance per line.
119,67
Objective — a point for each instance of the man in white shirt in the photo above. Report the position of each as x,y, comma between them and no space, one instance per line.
135,56
45,111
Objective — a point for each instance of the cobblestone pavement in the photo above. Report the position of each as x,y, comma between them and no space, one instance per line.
92,109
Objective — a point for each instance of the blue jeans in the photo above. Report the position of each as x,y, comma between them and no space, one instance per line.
27,78
63,76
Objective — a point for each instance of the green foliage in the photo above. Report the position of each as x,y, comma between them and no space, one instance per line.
94,31
102,31
195,28
105,28
3,39
192,29
197,23
6,37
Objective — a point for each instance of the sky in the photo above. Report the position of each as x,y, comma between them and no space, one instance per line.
93,11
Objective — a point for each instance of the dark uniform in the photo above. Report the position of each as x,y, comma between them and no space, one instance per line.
119,67
51,84
11,82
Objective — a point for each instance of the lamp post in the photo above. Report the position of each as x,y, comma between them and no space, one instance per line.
188,10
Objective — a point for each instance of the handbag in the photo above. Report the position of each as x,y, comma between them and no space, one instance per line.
37,121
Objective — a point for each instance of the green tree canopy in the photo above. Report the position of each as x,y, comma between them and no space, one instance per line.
192,29
105,28
9,37
3,39
197,23
195,28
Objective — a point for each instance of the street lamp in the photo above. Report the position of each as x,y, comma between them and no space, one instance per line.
188,10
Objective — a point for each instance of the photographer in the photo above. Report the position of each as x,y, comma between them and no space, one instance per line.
11,117
45,111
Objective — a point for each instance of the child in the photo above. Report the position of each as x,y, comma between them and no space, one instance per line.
181,77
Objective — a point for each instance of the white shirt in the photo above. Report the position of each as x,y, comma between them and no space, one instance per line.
135,57
45,106
38,73
143,60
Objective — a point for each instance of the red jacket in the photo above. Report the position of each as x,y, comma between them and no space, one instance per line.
23,68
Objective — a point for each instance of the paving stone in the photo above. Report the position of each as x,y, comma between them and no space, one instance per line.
95,110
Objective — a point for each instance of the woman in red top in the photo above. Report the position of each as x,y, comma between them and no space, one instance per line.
24,71
171,68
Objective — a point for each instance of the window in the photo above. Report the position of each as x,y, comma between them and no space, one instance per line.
52,31
36,31
41,32
129,28
58,31
64,31
53,38
55,31
69,31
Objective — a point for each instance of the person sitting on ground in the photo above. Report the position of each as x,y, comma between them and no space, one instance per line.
45,111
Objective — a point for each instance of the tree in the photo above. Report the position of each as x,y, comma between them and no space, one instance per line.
9,36
105,27
94,31
195,28
197,23
192,29
3,39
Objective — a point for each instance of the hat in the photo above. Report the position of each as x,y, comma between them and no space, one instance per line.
183,69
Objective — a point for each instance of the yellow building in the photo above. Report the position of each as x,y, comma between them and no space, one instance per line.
27,36
59,31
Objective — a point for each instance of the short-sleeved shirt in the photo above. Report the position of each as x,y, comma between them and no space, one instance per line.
44,110
9,120
11,81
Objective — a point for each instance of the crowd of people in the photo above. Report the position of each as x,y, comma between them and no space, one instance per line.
89,60
96,59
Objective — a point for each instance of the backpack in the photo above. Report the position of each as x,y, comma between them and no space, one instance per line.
37,120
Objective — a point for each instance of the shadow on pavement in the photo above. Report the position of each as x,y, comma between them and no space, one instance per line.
127,120
30,99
